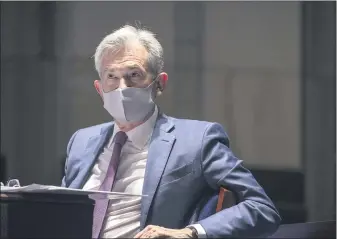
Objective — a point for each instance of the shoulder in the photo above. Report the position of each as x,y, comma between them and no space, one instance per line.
84,134
189,122
80,138
195,124
198,128
93,130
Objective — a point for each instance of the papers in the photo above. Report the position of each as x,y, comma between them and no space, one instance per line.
93,194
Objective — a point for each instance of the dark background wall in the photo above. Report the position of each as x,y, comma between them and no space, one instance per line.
319,107
265,70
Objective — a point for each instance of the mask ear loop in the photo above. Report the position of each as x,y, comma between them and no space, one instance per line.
158,88
155,80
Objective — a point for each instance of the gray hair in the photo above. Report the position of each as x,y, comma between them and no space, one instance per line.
117,39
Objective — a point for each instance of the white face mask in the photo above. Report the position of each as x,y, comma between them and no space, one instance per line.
129,105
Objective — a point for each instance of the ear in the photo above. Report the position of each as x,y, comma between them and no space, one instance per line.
162,82
97,85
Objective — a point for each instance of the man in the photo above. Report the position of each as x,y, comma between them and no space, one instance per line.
174,162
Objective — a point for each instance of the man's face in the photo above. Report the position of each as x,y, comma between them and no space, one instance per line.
127,68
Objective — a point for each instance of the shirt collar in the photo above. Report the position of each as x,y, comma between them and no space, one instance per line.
140,135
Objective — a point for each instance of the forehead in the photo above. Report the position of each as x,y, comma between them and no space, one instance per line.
133,54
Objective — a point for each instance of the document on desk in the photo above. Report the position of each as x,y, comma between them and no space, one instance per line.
93,194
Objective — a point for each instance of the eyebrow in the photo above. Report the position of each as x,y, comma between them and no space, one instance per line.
131,67
110,70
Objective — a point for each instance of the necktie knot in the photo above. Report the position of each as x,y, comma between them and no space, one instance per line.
120,138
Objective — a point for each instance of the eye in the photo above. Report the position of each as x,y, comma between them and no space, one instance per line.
135,74
112,76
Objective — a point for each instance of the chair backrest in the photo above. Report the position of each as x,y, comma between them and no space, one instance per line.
212,203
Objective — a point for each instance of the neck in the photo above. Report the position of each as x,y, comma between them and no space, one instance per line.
128,126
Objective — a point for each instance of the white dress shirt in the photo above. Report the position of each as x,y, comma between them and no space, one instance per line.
123,215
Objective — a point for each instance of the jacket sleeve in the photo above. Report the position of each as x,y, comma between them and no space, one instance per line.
254,215
70,143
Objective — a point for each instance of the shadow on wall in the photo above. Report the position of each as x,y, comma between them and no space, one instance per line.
289,200
63,163
3,168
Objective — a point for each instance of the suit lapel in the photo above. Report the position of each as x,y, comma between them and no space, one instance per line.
159,151
93,149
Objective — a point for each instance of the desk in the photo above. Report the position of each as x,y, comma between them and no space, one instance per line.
30,215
